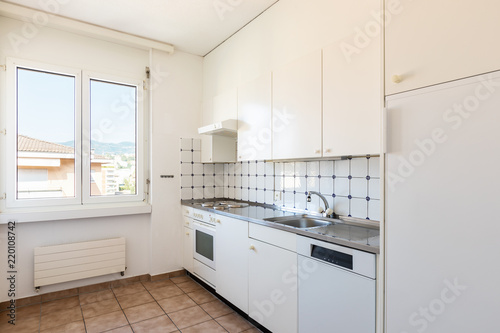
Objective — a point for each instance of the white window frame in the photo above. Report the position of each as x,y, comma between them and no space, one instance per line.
139,142
82,137
11,139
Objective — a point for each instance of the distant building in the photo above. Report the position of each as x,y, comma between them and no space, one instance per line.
47,170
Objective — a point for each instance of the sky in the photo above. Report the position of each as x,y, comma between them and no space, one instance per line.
46,104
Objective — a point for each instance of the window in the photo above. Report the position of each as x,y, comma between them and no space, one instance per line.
77,139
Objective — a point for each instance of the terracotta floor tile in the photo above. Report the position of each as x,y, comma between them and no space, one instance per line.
27,325
74,327
29,300
59,294
128,301
202,296
96,296
234,323
129,289
100,308
189,286
189,317
161,324
207,327
60,304
176,303
95,287
60,317
124,329
158,284
28,311
181,279
166,292
216,309
106,322
143,312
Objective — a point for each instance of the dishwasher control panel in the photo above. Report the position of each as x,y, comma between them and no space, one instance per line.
332,256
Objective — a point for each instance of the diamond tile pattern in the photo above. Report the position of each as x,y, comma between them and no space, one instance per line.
173,305
351,186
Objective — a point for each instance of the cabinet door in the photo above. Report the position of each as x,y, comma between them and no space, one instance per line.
254,120
430,42
297,109
225,106
187,259
272,287
352,92
231,251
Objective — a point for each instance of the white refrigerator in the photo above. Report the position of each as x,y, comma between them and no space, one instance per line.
442,182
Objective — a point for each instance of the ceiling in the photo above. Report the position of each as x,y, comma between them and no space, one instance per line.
193,26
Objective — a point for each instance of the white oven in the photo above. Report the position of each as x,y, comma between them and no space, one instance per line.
204,243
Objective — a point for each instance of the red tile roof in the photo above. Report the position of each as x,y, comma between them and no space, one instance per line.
25,143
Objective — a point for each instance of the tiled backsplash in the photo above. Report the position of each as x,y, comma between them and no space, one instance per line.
352,187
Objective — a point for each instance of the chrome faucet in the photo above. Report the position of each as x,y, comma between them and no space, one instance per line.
327,212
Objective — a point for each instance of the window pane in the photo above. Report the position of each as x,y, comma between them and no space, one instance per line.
45,135
113,115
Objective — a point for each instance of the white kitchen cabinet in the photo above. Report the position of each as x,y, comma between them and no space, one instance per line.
430,42
254,120
231,251
187,259
218,149
272,286
297,108
352,88
225,106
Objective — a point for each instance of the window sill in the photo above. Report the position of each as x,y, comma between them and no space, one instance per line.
73,212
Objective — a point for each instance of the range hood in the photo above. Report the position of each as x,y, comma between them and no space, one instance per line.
224,128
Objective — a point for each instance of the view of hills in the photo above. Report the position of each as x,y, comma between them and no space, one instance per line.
103,148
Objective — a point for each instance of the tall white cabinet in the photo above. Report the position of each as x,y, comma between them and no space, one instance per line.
297,108
254,119
431,42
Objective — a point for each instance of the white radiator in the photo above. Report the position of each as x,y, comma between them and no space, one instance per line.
68,262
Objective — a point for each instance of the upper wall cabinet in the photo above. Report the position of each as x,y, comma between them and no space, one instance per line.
430,42
254,120
352,89
297,109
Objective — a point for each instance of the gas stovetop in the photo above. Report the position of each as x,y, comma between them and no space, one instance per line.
221,205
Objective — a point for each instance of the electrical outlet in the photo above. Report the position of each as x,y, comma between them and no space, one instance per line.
277,196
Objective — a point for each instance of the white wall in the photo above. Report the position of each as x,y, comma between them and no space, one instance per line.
153,240
288,30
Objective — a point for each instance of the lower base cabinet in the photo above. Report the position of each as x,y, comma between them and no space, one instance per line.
272,287
187,259
231,252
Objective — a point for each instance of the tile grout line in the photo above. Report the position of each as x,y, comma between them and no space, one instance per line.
161,306
116,298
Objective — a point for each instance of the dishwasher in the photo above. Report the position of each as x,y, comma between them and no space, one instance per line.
337,286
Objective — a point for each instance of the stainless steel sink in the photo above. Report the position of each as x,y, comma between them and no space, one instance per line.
301,222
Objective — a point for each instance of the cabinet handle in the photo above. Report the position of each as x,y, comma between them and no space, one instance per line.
239,157
187,233
252,247
396,79
187,223
328,150
187,211
317,151
218,221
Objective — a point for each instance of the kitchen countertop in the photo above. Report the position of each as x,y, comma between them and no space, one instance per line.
365,237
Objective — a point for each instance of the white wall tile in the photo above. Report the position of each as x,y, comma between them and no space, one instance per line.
197,156
186,156
313,169
288,199
359,167
208,169
261,198
269,182
219,169
209,180
261,168
374,167
238,168
269,197
359,188
209,192
252,195
244,181
341,206
186,168
374,210
326,168
198,168
186,194
186,181
252,168
237,181
230,191
341,187
198,193
252,181
197,144
374,188
300,169
261,182
289,168
359,208
219,192
326,185
289,183
244,168
197,181
269,168
279,183
342,168
300,200
186,144
226,192
313,184
220,181
279,169
237,193
244,194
